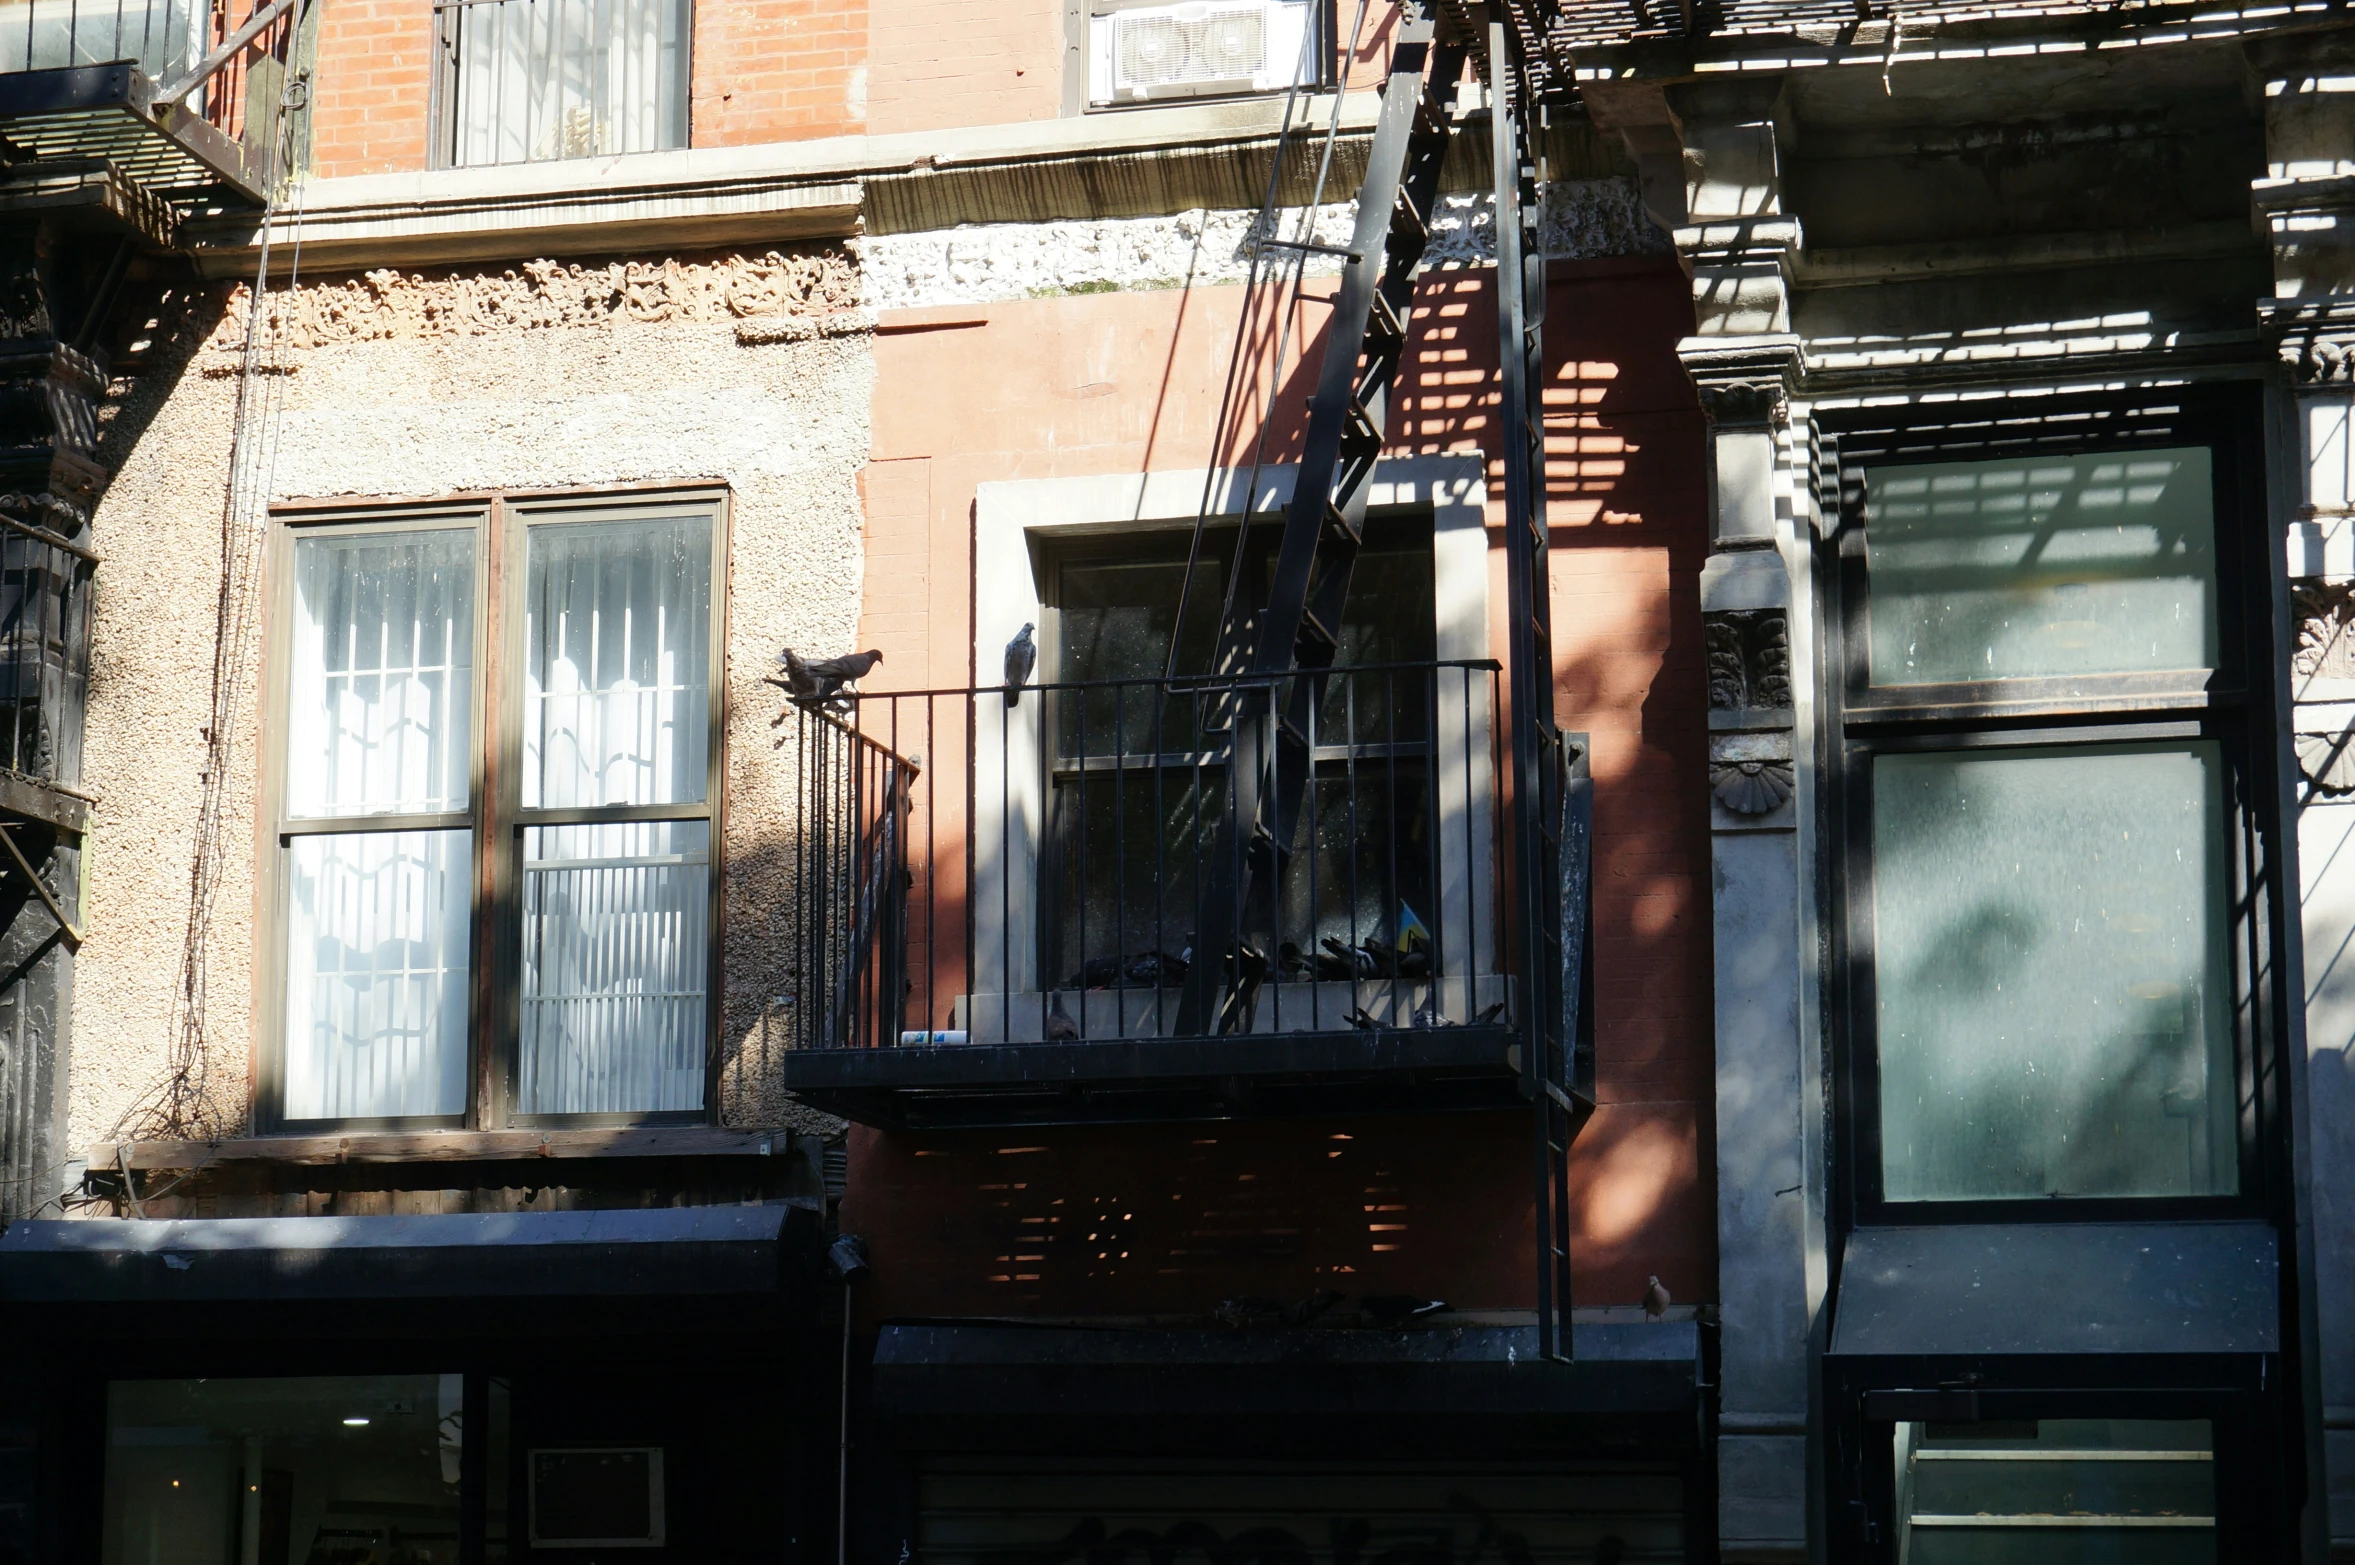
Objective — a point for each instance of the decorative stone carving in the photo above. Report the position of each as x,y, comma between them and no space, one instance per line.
1749,658
819,284
2326,630
2327,761
1752,787
2320,359
1745,402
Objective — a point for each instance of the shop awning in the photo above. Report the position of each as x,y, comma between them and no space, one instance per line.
985,1386
671,1251
2022,1288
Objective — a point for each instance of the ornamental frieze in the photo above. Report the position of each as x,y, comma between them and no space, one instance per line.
818,285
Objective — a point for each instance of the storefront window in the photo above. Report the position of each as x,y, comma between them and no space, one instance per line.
344,1469
2057,1491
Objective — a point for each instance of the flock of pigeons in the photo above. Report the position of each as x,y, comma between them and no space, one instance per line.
826,684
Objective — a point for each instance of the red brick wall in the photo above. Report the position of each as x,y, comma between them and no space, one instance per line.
370,101
1124,382
778,70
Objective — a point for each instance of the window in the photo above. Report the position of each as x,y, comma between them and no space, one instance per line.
2052,807
164,38
331,1467
395,858
524,81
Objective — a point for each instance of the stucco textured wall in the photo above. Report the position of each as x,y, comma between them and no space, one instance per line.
605,400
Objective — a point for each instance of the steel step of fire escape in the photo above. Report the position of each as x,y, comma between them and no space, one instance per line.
1297,631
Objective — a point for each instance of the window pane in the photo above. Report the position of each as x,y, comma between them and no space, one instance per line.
2049,565
2051,973
376,974
618,632
2104,1489
383,673
569,79
615,952
276,1472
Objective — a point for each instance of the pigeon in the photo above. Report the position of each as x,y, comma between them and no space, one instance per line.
1358,1018
1490,1014
1244,1311
1655,1300
1391,1309
1097,972
1157,968
1310,1308
1060,1027
1021,658
817,683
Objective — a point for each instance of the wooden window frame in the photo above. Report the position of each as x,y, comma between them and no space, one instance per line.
2228,705
494,814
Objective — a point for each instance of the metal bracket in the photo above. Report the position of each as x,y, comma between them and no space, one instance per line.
40,887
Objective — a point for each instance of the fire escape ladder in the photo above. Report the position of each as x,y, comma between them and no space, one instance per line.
1294,639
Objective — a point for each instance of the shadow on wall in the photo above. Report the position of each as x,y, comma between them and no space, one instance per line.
1135,1219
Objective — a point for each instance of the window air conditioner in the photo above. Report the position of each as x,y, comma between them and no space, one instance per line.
1143,53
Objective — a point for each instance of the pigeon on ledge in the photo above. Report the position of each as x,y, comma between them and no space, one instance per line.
1021,658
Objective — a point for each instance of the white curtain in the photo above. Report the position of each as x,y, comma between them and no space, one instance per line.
164,38
379,717
376,980
383,690
570,78
615,950
617,711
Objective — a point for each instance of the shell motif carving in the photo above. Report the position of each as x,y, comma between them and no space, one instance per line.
1752,787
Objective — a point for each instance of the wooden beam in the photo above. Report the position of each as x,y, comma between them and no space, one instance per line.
445,1146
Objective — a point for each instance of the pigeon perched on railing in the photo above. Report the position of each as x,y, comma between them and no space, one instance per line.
817,683
1021,658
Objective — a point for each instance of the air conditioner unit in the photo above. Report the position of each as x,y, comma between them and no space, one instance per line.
1145,53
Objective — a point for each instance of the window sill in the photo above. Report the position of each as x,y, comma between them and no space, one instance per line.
450,1146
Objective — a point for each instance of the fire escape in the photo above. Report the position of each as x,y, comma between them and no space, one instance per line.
115,124
962,960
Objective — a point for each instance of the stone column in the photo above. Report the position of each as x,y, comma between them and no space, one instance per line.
1755,610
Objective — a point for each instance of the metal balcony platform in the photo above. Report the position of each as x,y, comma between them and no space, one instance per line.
109,112
1420,1070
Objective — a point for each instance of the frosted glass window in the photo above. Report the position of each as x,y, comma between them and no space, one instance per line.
2041,566
616,946
617,705
376,974
539,79
382,673
2050,966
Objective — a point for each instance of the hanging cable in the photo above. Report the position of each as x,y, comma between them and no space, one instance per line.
178,1105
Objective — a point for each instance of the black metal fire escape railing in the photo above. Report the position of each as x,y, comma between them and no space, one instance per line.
1047,879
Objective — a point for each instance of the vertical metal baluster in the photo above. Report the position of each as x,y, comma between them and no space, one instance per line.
1006,872
1356,834
1434,828
1161,977
1120,857
1390,836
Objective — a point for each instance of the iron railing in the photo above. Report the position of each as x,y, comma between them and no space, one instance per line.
206,54
970,871
44,645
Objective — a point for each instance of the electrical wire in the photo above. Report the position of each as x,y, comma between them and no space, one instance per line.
180,1101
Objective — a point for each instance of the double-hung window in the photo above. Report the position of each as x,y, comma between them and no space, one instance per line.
524,81
2055,819
495,813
